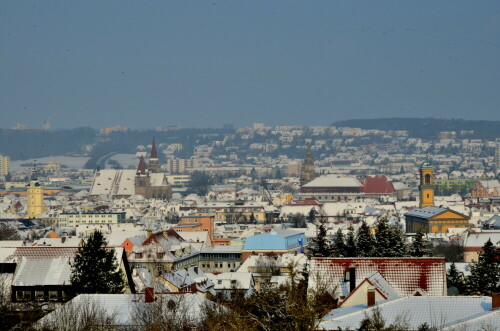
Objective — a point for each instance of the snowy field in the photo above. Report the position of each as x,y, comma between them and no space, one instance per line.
72,162
125,160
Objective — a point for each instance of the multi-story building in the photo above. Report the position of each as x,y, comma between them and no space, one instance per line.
220,258
179,166
4,165
163,252
332,188
73,219
232,212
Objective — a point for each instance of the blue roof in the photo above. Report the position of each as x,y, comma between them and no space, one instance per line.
492,223
426,212
275,240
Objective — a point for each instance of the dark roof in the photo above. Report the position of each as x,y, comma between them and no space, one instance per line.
426,212
154,154
141,169
492,223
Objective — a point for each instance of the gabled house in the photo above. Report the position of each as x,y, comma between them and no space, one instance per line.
405,275
162,251
43,273
228,282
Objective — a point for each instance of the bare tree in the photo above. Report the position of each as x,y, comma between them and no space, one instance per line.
172,312
80,314
8,232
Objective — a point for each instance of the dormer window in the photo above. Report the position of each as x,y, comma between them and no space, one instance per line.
160,255
138,255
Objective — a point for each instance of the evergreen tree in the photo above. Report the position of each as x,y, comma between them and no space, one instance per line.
323,246
252,219
365,242
253,173
418,247
339,246
484,278
311,216
390,241
350,244
455,278
95,269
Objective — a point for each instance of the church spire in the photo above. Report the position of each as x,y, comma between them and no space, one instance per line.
141,169
154,154
34,174
154,165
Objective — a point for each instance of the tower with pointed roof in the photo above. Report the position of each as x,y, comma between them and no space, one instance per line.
35,196
151,185
307,172
142,179
154,165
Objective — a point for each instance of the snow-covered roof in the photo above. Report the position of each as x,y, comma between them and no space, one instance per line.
126,307
112,182
33,272
334,181
480,238
405,275
413,310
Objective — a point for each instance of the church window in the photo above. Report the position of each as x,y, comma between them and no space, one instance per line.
427,180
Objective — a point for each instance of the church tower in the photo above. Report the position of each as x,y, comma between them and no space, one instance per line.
142,180
35,196
307,172
426,186
154,165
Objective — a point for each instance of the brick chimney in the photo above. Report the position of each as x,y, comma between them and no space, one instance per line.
370,296
149,294
495,301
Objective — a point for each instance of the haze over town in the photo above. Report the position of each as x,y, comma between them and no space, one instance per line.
232,165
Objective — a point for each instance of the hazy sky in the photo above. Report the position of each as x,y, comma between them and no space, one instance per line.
144,64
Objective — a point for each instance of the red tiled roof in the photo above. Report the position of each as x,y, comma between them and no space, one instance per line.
43,252
377,185
405,275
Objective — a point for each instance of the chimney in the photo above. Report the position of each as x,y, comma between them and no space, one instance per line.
370,296
495,301
150,294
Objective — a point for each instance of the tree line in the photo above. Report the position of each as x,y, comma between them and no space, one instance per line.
387,241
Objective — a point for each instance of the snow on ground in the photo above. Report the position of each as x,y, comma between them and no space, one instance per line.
125,160
72,162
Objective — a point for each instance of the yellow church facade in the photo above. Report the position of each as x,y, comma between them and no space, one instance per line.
433,219
429,218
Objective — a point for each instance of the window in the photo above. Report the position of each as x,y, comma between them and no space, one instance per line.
39,295
138,255
53,296
23,295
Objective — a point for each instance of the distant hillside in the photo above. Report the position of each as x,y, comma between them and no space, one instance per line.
428,127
